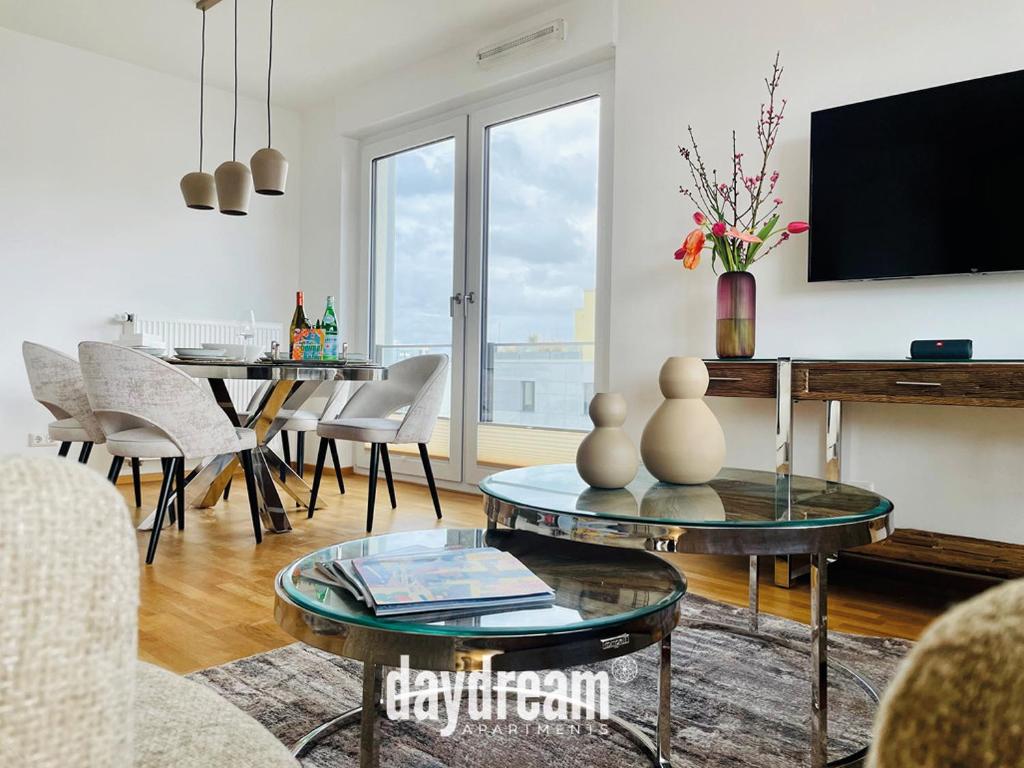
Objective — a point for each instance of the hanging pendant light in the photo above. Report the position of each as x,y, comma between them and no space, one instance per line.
197,187
234,181
269,167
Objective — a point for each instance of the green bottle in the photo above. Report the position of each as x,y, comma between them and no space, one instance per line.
330,326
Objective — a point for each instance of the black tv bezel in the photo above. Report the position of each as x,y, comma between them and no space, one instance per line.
973,271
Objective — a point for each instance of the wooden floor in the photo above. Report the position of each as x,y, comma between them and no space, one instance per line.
208,598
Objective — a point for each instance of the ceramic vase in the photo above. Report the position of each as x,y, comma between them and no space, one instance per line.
607,457
683,442
736,310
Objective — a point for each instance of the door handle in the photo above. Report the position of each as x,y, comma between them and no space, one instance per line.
470,299
452,301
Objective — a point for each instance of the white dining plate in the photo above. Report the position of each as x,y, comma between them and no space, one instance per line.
199,353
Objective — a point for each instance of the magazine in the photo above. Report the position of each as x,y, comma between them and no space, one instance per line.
470,580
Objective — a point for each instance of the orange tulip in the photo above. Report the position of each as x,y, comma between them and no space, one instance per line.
691,248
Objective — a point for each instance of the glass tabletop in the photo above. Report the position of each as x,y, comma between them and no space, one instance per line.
737,497
594,586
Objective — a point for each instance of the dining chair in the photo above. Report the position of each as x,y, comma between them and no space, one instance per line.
417,384
147,407
56,382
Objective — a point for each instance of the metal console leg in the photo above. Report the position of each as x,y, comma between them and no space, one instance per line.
787,569
833,440
819,660
752,594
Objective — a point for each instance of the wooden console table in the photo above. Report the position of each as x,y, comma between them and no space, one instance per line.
986,383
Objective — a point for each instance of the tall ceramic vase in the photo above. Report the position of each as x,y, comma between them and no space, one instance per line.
737,299
683,441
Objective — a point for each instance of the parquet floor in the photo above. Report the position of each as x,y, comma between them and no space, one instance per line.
208,598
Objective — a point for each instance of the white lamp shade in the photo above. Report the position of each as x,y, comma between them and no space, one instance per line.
234,188
199,191
269,171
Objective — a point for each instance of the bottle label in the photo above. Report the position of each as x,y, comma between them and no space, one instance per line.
307,344
330,345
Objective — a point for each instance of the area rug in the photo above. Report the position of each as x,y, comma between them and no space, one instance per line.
736,702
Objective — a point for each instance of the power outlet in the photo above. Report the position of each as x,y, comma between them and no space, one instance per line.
36,440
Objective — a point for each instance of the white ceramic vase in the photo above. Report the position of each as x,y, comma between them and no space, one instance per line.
683,442
607,457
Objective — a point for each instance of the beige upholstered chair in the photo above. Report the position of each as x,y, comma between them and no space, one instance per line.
147,407
417,384
71,690
56,382
958,698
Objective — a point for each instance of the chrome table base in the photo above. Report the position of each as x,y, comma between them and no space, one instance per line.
205,484
659,750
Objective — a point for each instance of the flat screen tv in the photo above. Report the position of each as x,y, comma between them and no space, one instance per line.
924,183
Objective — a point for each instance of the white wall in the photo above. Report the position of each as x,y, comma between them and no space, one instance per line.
92,221
955,470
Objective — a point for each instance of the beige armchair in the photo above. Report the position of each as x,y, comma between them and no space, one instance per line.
71,690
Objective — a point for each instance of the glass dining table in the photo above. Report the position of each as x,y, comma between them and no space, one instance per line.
293,382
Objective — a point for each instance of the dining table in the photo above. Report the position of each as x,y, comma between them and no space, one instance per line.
292,383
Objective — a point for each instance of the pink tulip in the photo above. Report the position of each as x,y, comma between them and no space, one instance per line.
718,229
797,227
698,218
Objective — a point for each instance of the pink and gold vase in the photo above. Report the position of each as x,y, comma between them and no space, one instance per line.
737,294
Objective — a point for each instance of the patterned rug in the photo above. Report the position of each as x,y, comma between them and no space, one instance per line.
736,702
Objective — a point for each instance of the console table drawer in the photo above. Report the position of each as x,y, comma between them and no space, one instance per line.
965,385
741,379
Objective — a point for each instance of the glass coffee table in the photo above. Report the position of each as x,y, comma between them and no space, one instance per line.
608,603
740,512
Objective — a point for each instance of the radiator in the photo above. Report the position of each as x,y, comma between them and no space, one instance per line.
194,333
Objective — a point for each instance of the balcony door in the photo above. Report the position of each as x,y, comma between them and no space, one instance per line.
486,240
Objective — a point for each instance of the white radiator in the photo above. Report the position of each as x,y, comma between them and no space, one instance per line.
194,333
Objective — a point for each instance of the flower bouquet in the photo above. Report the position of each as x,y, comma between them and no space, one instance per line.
738,220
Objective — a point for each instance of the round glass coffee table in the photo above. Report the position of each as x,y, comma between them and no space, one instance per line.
608,603
740,512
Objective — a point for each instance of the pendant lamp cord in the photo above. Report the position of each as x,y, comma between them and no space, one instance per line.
234,127
202,82
269,69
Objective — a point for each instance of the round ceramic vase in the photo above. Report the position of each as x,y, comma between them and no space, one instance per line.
607,457
683,442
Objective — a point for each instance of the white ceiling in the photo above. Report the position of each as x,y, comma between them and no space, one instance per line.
320,46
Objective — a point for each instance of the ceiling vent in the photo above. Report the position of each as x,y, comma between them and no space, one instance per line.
552,32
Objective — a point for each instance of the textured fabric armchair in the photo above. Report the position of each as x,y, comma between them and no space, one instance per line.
958,698
71,690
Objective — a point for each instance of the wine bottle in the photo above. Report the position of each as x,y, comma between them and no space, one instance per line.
330,325
298,327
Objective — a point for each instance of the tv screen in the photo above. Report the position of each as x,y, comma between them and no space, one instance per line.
925,183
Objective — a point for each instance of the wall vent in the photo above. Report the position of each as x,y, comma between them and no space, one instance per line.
552,32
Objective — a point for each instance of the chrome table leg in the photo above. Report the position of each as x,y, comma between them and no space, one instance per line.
752,594
819,660
664,745
369,738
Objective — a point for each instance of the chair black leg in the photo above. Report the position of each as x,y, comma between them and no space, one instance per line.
321,456
300,453
115,469
425,457
83,456
250,488
371,493
287,450
179,482
137,481
337,465
167,465
64,448
161,508
227,490
386,459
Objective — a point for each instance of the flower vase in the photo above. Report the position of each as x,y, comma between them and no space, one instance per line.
737,293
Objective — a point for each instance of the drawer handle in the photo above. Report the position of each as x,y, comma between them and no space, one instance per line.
919,383
725,378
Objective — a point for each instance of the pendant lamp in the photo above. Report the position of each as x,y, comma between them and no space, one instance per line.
269,167
197,187
234,181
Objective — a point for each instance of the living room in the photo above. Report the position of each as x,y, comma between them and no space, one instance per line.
495,282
